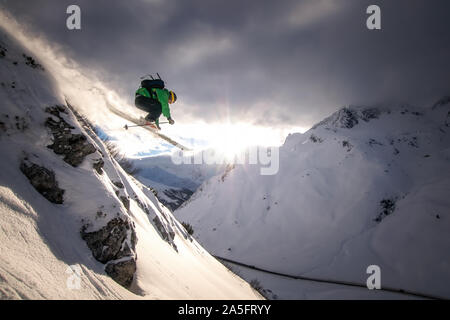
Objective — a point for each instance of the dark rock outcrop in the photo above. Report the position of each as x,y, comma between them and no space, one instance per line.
73,146
116,240
126,202
98,165
3,51
166,235
108,243
348,117
315,138
370,113
122,272
29,61
118,184
177,196
43,180
387,208
346,144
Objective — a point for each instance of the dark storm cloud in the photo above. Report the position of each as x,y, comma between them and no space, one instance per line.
267,61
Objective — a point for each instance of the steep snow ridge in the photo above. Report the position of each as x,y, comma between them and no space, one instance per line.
365,186
40,239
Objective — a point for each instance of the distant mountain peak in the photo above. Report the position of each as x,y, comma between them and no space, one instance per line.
349,116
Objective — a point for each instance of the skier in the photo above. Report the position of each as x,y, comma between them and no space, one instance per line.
154,98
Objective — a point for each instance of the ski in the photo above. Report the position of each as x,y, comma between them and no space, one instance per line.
138,123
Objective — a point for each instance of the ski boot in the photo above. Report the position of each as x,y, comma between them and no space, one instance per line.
150,123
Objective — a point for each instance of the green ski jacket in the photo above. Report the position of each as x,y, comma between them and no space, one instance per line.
162,95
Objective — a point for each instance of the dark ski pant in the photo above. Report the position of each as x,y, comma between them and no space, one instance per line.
152,106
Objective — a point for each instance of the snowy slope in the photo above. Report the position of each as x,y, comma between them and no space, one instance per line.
40,239
365,186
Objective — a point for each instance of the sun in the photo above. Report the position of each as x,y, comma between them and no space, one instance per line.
232,139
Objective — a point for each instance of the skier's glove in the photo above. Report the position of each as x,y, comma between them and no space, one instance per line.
171,121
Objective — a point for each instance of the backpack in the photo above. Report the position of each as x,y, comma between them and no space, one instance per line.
149,84
152,83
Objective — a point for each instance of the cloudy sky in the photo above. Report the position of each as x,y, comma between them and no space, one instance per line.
267,62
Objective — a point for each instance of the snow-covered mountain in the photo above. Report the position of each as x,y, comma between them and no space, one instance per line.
71,219
366,186
173,183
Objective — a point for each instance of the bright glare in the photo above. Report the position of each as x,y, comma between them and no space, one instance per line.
230,139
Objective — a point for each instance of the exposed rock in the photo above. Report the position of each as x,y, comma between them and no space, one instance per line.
315,138
3,51
373,142
109,243
114,244
126,202
29,61
177,196
348,117
189,228
74,147
167,236
347,145
122,272
370,113
154,191
98,165
100,214
227,170
141,205
43,180
21,123
387,207
56,110
118,184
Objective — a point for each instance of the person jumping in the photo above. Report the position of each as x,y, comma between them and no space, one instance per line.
154,98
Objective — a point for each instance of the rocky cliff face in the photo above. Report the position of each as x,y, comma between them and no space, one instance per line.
43,180
109,235
114,245
73,146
